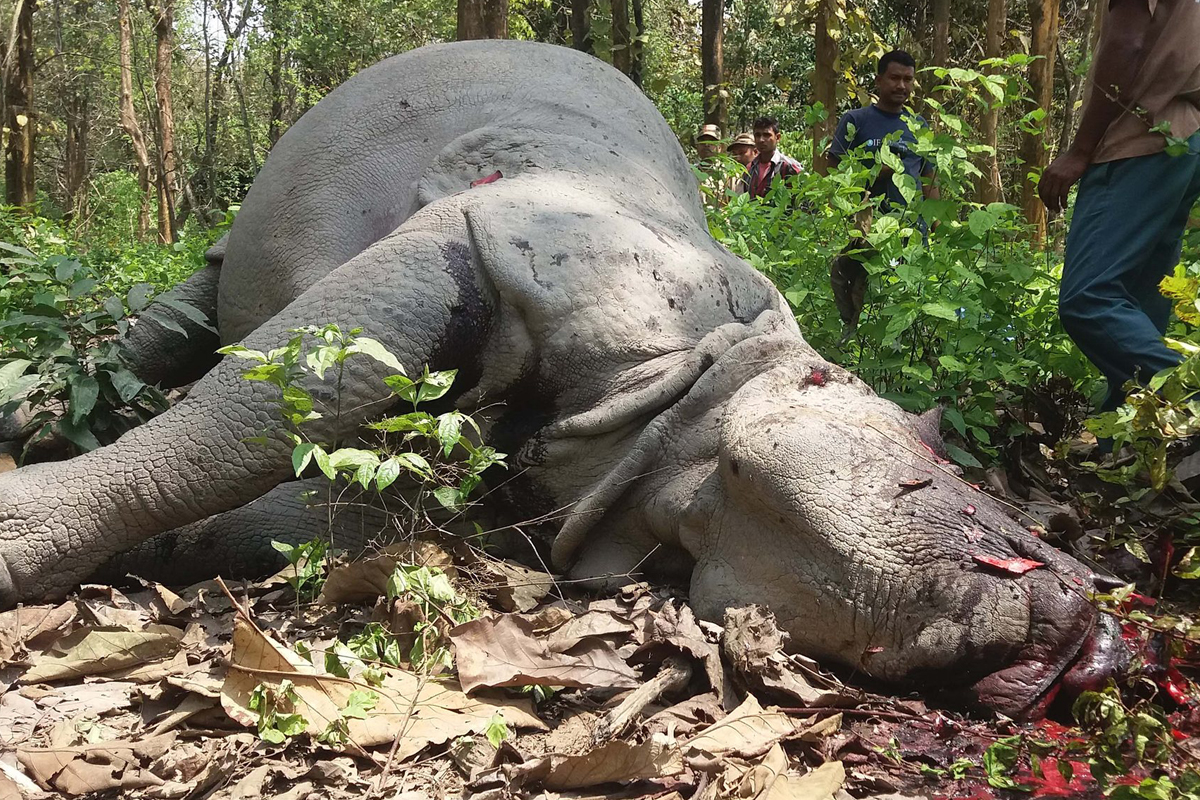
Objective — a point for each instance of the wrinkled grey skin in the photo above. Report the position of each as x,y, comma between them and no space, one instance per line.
651,383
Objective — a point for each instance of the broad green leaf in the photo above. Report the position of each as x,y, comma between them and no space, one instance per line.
449,497
435,385
126,383
301,456
416,464
189,311
322,459
164,320
981,221
78,434
942,310
962,457
449,430
85,390
138,296
387,474
376,350
11,370
239,351
352,458
114,307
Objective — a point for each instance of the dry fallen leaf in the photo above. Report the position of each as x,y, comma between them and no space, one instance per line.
590,623
32,627
753,645
366,579
95,767
518,588
748,731
675,627
504,651
820,784
96,651
419,711
616,761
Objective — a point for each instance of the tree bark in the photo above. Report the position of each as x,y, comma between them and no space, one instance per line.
989,187
1044,16
20,189
581,25
712,63
128,116
825,80
622,56
482,19
168,176
637,59
941,33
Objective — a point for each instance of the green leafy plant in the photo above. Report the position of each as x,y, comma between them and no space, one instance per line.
62,354
307,561
276,709
440,607
967,321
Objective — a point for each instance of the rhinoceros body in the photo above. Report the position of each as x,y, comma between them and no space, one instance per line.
659,404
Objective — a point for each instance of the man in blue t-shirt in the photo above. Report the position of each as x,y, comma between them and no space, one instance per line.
872,126
893,89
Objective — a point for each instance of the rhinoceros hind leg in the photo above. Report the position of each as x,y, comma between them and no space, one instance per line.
159,355
237,543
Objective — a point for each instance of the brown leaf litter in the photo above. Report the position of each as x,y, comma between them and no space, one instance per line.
154,693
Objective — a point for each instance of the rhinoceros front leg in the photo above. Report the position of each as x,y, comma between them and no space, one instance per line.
417,291
238,543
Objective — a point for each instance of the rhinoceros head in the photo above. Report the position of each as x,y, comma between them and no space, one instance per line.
871,550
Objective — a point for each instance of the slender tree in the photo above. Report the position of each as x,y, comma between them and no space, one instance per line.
825,79
20,189
482,19
164,34
1044,16
637,65
622,55
128,116
712,63
941,33
581,25
989,187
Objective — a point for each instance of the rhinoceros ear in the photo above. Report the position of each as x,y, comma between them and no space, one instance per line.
929,428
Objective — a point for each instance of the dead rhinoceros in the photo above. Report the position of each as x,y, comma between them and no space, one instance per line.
650,382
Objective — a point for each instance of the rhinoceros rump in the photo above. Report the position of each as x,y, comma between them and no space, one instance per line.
649,382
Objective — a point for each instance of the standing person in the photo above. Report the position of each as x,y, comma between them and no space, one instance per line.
771,163
1134,197
707,144
744,151
894,80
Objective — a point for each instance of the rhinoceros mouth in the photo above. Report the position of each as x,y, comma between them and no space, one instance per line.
1028,687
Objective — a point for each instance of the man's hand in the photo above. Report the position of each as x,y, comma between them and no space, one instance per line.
1059,177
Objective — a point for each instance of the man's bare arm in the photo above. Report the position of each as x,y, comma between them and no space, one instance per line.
1118,62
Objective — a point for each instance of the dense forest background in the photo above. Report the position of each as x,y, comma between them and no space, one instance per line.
124,117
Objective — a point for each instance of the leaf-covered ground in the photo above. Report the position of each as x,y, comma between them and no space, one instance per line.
435,671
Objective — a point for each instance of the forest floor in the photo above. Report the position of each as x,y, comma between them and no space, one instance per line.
235,690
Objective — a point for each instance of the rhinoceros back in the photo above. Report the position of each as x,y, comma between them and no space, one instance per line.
348,172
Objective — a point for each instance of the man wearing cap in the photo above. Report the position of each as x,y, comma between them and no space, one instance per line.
744,151
707,140
1136,157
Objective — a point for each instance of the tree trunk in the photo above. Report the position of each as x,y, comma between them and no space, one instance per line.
825,80
637,60
941,33
1044,16
75,151
581,25
168,176
622,56
712,63
127,114
562,22
20,189
988,187
482,19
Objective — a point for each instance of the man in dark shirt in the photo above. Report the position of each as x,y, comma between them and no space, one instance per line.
872,126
